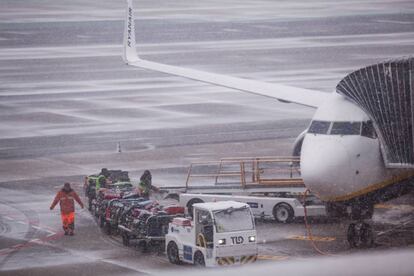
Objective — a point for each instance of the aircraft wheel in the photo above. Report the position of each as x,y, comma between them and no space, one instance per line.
172,253
283,213
352,235
360,235
199,259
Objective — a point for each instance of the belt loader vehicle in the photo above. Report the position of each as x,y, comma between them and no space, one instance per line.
221,233
270,185
281,209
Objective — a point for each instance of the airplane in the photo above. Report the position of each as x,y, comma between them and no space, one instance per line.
358,149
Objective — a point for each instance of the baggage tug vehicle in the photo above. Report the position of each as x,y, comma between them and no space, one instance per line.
221,233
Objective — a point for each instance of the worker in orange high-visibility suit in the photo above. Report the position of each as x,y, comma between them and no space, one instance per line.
66,197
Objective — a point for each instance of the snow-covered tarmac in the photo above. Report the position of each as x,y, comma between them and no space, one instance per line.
67,100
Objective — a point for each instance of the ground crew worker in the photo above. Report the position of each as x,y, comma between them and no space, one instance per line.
100,182
66,197
145,185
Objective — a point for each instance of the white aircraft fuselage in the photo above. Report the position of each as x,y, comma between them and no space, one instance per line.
341,156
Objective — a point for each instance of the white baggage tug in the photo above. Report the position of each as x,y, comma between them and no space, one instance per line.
221,233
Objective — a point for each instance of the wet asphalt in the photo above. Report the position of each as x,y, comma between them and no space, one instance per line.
67,100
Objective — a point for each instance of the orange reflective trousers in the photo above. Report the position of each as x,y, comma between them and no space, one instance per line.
68,221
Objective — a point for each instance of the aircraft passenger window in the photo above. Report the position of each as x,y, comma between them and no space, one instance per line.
346,128
319,127
368,130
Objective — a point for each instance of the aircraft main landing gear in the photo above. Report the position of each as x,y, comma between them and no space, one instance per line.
360,235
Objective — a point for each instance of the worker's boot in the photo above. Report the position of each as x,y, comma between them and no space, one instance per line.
71,229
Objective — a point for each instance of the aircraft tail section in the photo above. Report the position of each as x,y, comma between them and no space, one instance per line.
130,52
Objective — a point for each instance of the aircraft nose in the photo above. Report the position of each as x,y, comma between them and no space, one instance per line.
325,166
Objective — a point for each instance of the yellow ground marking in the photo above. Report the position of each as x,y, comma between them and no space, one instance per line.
314,238
392,206
272,258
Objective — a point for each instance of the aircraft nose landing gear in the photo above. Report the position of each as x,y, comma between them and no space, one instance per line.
360,235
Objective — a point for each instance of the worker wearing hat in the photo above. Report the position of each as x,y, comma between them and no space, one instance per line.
66,197
145,185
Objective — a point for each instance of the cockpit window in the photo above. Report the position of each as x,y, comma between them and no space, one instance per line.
346,128
365,129
368,130
319,127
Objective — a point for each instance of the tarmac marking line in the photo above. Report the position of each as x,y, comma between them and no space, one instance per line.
20,222
30,243
272,258
49,231
36,227
393,206
5,252
314,238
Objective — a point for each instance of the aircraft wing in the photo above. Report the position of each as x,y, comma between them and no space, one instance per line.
283,93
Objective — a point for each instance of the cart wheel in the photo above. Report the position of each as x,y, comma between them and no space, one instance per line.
282,212
144,246
172,253
125,239
199,259
108,229
161,247
101,221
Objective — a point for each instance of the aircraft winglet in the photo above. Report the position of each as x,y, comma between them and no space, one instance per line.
130,52
283,93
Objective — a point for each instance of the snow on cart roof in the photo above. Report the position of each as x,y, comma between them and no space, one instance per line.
221,205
